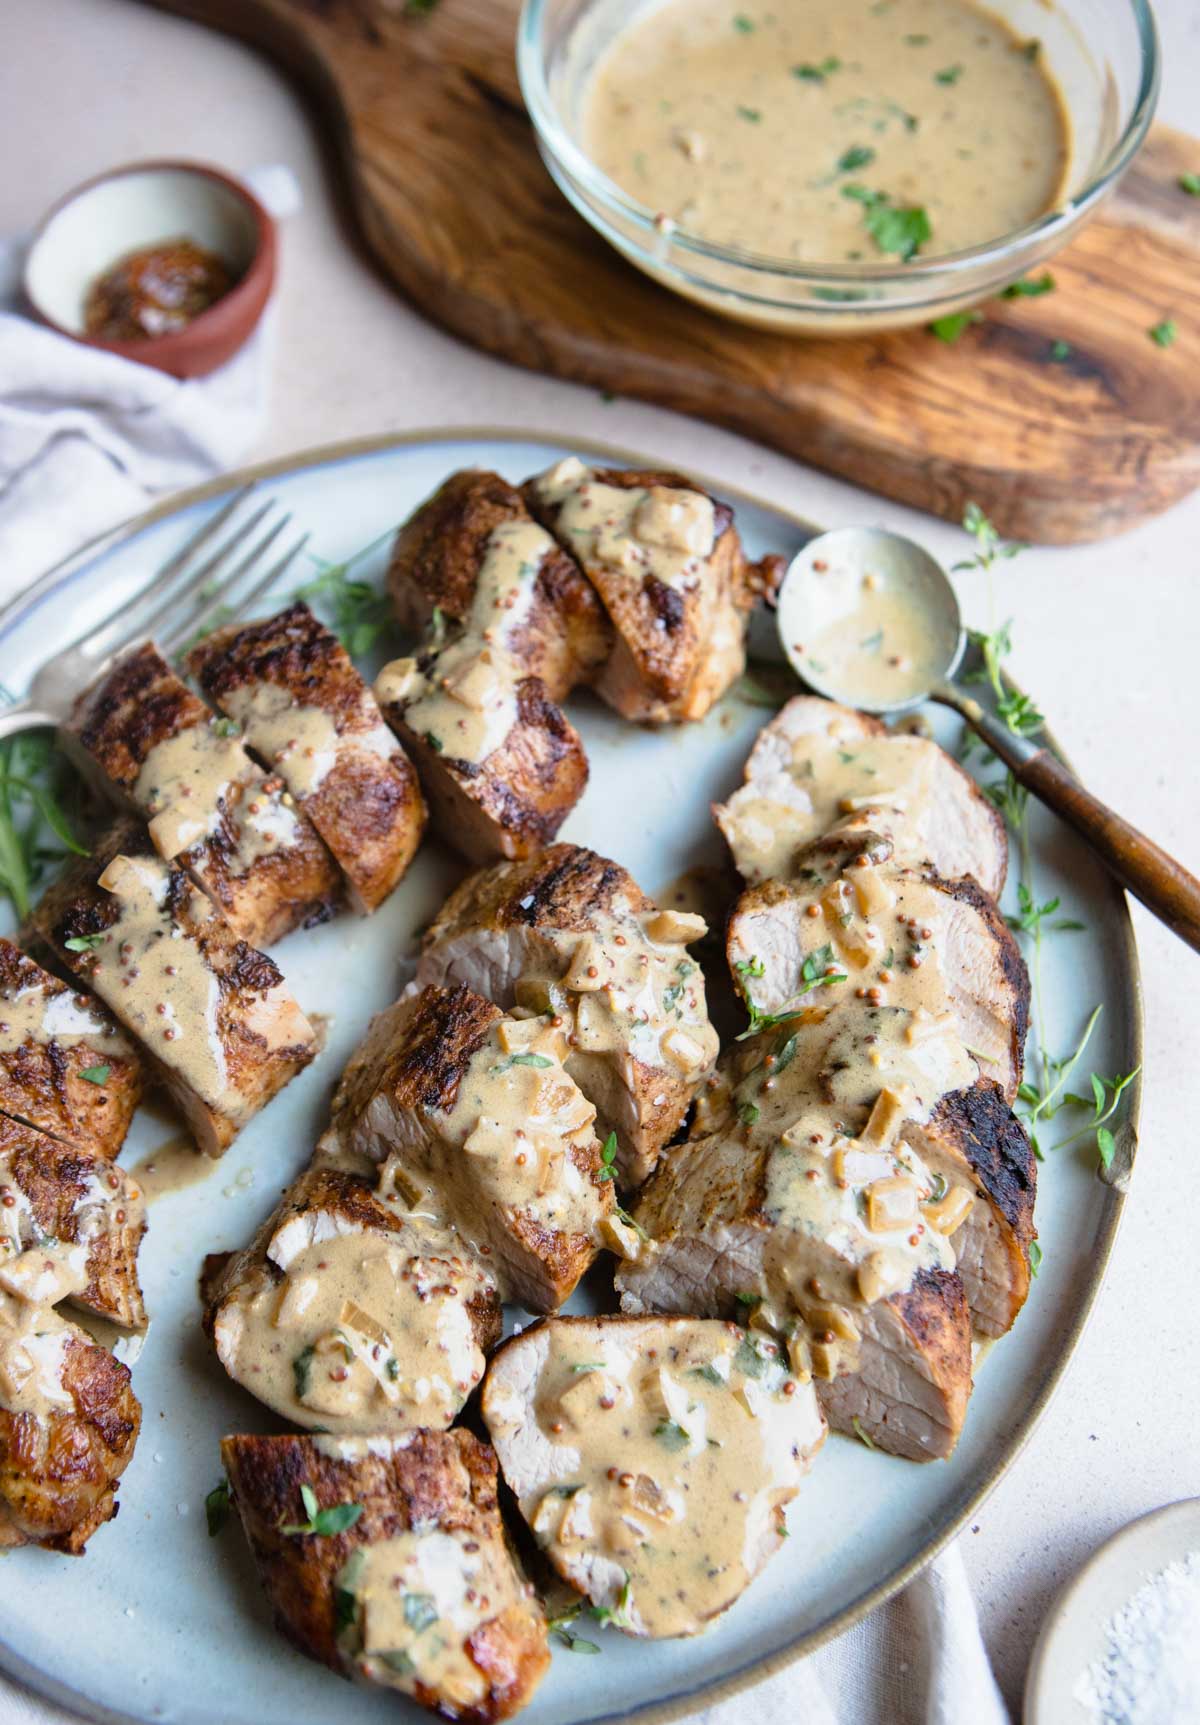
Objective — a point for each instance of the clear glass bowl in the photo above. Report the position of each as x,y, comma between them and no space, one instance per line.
1104,55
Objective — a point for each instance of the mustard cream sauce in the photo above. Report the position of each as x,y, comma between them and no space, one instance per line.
185,783
664,1452
803,128
462,698
40,1015
629,533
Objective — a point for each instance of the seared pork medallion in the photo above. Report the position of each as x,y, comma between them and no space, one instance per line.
652,1458
68,1424
64,1065
456,557
70,1226
214,1017
385,1558
301,706
234,828
475,1119
837,1238
668,565
344,1315
571,935
819,767
932,961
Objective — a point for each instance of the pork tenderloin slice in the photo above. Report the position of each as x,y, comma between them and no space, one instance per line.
343,1316
68,1424
473,1114
65,1067
572,933
303,708
974,1141
711,1436
140,936
510,804
868,925
669,568
70,1226
420,1593
162,754
439,560
816,764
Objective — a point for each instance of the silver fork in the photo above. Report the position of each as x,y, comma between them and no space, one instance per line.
171,609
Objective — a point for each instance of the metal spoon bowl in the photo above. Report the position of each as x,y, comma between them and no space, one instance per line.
816,602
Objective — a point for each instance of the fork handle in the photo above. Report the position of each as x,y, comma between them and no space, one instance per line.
23,717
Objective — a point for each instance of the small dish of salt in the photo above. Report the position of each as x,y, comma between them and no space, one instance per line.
1121,1645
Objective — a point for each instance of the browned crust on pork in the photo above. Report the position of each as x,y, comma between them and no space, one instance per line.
41,1083
54,1179
513,803
445,1480
58,1476
997,1148
76,906
566,887
139,704
934,1312
431,1041
435,563
967,890
368,809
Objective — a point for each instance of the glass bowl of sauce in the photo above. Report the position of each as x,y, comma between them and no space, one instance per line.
838,166
167,263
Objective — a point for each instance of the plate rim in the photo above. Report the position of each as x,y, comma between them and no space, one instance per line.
673,1707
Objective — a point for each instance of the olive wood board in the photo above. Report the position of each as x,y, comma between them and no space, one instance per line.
439,160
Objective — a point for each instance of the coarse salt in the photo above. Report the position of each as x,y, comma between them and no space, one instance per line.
1150,1672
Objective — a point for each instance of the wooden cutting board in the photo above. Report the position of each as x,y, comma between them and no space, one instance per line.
424,111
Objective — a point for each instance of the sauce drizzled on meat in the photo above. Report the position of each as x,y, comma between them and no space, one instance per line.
658,531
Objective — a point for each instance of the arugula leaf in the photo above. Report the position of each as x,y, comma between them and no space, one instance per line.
323,1523
216,1507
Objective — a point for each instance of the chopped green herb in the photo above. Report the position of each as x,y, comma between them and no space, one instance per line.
227,728
1163,334
358,612
302,1371
672,1435
857,156
948,75
710,1375
398,1661
392,1368
750,1300
96,1074
860,1432
608,1157
420,8
897,229
1190,183
618,1614
810,74
435,742
345,1594
872,643
35,781
588,1366
420,1610
940,1187
742,24
916,40
577,1643
754,115
1030,287
950,327
85,942
752,966
1035,1257
748,1113
629,1221
1060,350
819,970
539,1060
1032,48
216,1507
322,1522
786,1053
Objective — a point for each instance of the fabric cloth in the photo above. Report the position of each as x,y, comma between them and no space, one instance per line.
87,439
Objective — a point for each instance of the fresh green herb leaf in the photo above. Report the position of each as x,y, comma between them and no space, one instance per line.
710,1375
577,1643
857,156
398,1661
538,1060
434,742
940,1187
752,966
672,1435
786,1053
227,728
916,40
817,74
392,1368
819,970
1106,1144
748,1113
216,1507
860,1432
617,1615
1060,350
420,1610
96,1074
950,327
1190,183
1030,287
751,1300
345,1590
898,229
629,1221
742,24
1164,334
948,75
322,1522
302,1371
85,942
420,8
754,115
608,1157
1035,1257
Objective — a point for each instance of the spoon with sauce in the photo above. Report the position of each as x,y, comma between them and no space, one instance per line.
870,619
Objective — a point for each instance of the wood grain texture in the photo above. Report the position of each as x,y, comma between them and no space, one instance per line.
441,167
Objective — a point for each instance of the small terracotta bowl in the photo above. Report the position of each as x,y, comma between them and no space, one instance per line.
144,205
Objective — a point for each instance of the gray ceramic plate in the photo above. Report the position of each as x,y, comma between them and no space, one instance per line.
158,1622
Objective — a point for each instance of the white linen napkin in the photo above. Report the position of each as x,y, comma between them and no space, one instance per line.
87,439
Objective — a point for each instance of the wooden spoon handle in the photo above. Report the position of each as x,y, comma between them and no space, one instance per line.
1163,885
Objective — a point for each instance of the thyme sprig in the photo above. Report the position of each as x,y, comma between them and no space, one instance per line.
358,613
35,830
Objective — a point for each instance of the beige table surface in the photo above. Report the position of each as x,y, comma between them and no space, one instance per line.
1107,636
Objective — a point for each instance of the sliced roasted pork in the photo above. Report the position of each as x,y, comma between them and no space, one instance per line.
292,688
215,1017
70,1226
345,1316
572,934
818,766
474,538
68,1423
64,1065
782,1212
501,765
668,565
934,958
414,1589
475,1118
234,828
652,1458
